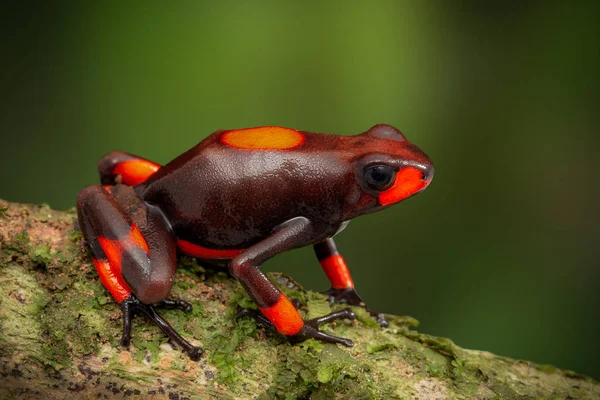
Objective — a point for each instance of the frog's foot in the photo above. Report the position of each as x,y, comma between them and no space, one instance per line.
310,329
258,316
175,305
132,305
350,296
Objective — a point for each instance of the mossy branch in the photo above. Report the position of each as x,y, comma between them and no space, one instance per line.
59,330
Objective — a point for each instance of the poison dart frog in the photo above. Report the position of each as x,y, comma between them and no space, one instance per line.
237,199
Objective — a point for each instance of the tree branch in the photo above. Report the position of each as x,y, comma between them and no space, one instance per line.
59,330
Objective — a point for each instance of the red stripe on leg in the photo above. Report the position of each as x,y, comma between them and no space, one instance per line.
196,250
112,280
135,171
337,272
284,316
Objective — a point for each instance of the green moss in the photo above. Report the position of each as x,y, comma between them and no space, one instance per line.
323,371
190,267
364,317
41,254
144,347
317,305
73,323
74,235
546,368
442,345
374,348
222,349
22,299
20,242
3,211
241,299
44,213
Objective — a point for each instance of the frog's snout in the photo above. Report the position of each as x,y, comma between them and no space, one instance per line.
427,172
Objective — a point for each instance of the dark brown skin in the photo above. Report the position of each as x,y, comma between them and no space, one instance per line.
239,198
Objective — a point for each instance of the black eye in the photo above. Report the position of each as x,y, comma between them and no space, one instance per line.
380,177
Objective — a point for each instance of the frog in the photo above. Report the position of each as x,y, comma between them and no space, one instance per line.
235,200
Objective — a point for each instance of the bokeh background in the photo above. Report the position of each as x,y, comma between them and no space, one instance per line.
500,253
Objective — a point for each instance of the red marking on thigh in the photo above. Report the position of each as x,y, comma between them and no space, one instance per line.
112,279
195,250
134,172
284,316
337,272
135,236
114,248
263,138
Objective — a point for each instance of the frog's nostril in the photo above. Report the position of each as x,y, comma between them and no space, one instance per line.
427,173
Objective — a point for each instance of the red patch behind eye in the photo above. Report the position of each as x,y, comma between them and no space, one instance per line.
409,181
263,138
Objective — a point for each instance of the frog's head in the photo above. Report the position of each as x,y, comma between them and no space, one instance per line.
389,169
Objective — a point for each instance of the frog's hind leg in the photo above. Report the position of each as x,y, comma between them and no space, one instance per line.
120,167
134,257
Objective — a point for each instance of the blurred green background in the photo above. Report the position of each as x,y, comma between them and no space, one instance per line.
499,253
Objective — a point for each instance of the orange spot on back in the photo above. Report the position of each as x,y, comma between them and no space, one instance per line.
134,172
263,138
284,316
408,182
195,250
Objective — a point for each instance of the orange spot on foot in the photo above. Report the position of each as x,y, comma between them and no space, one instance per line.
284,316
195,250
263,138
409,181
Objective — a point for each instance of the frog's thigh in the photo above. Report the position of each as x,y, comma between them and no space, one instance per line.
131,256
151,282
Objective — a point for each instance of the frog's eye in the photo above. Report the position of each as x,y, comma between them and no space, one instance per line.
380,177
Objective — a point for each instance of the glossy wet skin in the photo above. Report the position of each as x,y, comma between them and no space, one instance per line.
237,199
241,195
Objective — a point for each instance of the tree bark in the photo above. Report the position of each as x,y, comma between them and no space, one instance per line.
59,330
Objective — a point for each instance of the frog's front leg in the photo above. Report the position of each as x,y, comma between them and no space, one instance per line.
342,287
135,262
279,312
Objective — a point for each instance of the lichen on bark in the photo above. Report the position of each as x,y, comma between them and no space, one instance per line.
59,330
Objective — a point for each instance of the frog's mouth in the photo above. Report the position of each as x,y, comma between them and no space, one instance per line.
409,181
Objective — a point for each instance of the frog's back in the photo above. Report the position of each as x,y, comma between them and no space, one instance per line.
235,187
